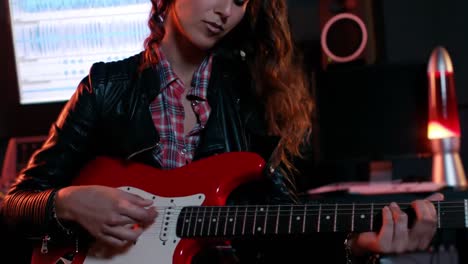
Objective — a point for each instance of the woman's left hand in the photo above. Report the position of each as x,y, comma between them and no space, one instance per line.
394,235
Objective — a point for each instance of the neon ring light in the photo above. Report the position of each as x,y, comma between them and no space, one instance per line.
327,27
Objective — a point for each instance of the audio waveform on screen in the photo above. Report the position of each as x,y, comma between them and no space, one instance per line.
57,41
59,5
51,38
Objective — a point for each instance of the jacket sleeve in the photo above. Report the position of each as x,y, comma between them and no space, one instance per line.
27,206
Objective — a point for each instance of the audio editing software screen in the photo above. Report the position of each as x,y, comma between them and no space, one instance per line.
56,41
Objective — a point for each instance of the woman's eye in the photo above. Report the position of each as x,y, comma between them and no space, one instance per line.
240,2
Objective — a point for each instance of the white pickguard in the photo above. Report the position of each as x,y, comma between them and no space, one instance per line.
155,245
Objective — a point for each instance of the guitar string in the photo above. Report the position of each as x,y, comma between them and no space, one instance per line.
195,220
330,205
288,210
193,232
308,213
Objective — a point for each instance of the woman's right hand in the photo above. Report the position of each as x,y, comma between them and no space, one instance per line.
112,216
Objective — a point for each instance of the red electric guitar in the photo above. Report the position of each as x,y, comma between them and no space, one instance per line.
191,206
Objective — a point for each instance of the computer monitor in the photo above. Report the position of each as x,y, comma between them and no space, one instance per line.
48,47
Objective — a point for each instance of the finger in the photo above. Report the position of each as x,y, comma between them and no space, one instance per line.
144,223
400,229
421,236
120,220
427,240
432,210
138,214
137,200
385,236
152,213
436,197
123,233
425,226
366,242
421,210
424,210
416,232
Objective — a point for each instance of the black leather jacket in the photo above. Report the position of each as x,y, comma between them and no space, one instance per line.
109,115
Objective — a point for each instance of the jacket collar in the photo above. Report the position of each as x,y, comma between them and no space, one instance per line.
233,111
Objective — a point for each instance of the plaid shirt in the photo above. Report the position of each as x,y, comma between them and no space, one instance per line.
176,149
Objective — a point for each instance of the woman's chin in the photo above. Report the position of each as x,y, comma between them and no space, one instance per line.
205,44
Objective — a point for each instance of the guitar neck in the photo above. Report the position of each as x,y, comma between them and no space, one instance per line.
258,220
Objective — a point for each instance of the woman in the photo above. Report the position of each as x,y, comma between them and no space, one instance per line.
215,76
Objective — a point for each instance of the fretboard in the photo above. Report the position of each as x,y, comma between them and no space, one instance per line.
258,220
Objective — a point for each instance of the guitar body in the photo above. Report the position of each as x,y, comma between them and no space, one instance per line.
206,182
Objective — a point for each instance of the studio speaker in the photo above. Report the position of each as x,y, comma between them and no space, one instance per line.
348,31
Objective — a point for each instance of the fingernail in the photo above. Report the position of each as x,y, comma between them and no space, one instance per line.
394,205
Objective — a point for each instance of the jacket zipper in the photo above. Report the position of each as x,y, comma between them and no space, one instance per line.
44,248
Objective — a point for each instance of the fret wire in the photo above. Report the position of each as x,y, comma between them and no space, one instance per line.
319,217
372,217
245,217
203,222
227,220
277,219
334,219
266,218
196,220
290,219
183,223
352,219
217,222
304,218
255,220
235,221
190,222
210,220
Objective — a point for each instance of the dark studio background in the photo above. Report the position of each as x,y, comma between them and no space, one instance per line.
366,111
378,110
373,111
